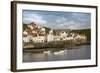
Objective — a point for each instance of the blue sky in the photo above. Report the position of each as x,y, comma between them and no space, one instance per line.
57,19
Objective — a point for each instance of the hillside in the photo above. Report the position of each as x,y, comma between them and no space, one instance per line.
25,27
87,32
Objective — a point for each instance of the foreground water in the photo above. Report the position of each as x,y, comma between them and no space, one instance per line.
55,54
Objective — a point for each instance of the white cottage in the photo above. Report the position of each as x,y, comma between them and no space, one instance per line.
27,39
63,34
31,27
25,33
50,36
38,39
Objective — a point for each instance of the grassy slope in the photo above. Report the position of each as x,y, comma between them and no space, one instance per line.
87,32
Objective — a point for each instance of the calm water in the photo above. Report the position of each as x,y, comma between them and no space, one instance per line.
52,54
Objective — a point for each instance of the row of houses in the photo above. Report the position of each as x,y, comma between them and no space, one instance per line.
37,34
63,36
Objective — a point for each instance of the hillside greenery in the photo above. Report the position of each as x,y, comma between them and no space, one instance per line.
87,32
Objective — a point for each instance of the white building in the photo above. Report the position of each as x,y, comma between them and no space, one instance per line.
51,32
50,36
63,34
42,30
80,37
69,38
31,27
57,38
27,39
33,31
25,33
39,39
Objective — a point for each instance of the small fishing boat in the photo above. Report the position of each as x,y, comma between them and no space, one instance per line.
46,52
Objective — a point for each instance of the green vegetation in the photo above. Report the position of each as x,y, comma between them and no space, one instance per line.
61,43
47,30
87,32
25,26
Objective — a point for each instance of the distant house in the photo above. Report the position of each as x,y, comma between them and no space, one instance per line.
30,26
27,39
80,37
38,39
57,38
69,38
39,34
50,36
25,33
63,35
43,31
34,25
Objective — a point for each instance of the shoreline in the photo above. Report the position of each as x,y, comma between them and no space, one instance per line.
41,49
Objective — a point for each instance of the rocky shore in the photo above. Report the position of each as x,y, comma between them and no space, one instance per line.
58,44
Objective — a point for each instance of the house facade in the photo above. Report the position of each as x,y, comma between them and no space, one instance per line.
37,34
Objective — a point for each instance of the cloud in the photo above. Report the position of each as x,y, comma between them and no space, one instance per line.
39,19
61,20
75,21
34,18
58,20
27,20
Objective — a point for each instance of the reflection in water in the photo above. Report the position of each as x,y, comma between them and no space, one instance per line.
52,54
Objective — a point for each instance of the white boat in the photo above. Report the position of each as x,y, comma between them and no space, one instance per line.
46,52
59,52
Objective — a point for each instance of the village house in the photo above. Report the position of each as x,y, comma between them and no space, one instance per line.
30,26
81,38
39,39
25,32
37,34
27,39
43,31
50,36
63,35
57,38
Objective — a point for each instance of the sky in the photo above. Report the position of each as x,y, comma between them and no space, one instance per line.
57,19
